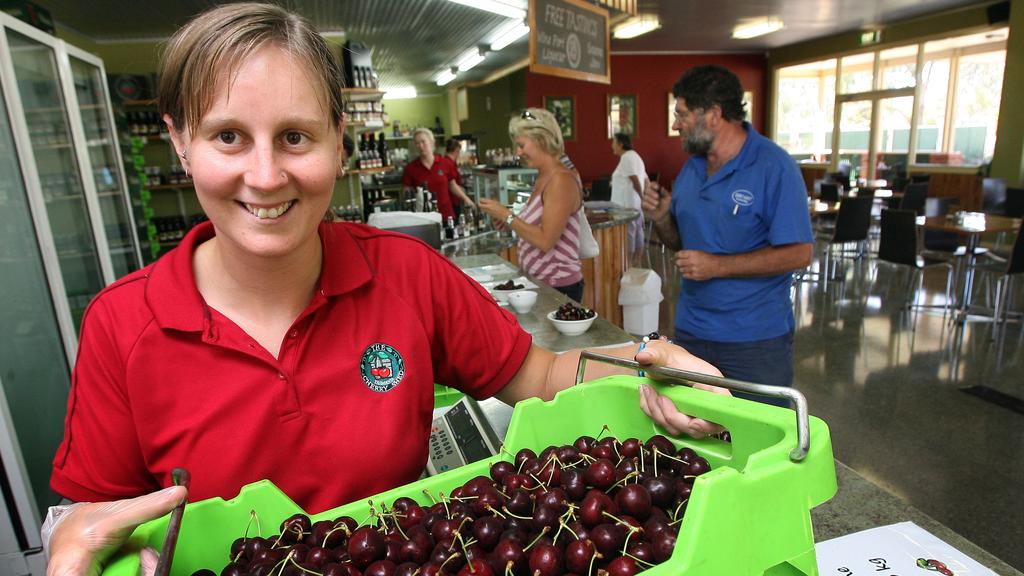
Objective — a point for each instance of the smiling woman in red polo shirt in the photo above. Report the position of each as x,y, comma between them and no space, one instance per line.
271,343
429,171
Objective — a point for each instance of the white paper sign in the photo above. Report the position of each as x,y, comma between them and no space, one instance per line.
903,549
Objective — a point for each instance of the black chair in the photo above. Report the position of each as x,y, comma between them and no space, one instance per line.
1004,275
915,197
1014,206
830,192
852,225
993,195
920,178
429,233
601,189
898,245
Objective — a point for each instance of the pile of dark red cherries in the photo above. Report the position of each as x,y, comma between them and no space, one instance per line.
570,311
592,508
510,285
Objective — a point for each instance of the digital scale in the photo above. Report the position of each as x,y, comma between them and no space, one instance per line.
460,436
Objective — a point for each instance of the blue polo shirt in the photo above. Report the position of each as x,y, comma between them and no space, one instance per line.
755,200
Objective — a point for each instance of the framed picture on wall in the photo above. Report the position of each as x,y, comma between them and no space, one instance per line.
564,109
622,114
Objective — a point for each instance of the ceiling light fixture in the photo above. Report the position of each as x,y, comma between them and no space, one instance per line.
444,77
508,9
399,93
637,25
470,59
510,35
754,27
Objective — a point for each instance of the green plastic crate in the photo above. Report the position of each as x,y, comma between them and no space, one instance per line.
750,515
445,396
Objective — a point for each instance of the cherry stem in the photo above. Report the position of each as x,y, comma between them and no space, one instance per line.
280,565
562,524
675,513
252,516
604,429
508,568
444,501
440,569
590,569
543,531
505,508
539,481
495,510
638,560
656,451
623,481
628,526
429,495
301,567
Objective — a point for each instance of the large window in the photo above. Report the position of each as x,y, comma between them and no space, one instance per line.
885,118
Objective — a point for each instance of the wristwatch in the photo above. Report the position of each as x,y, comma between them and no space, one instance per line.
509,219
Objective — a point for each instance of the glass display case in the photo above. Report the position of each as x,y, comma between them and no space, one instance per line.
66,232
507,185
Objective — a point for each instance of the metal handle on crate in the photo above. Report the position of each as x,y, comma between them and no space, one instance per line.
803,429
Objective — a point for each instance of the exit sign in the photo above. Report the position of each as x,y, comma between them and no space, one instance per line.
870,37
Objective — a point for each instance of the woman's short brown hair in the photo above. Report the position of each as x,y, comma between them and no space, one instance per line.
219,39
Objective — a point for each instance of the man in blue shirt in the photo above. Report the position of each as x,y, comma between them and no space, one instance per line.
738,218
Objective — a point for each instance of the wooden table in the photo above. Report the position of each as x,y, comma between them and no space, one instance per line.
972,225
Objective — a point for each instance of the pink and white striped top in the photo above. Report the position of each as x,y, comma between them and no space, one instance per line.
559,266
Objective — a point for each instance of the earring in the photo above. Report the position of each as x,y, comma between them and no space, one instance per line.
184,154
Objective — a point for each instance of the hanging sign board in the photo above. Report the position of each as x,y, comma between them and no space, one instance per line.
569,38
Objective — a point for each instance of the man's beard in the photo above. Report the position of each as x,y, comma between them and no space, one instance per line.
699,139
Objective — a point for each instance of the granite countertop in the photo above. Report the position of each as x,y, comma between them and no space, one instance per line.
601,333
493,242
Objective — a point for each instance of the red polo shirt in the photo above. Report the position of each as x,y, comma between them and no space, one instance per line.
436,179
162,380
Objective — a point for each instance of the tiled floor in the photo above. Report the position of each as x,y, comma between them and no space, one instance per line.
893,401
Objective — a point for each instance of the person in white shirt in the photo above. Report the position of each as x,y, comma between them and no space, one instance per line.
628,182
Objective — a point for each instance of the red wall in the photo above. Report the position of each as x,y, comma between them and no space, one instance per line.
650,77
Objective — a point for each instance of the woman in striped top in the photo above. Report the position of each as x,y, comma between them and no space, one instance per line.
549,225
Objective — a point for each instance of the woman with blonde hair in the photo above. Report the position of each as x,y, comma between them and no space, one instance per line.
549,226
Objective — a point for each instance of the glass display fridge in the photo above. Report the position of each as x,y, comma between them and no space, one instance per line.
67,232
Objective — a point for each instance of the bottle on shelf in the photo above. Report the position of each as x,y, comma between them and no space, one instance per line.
463,227
449,228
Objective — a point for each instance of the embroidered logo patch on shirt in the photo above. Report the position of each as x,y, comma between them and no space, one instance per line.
381,367
743,197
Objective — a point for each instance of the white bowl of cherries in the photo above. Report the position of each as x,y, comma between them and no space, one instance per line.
572,320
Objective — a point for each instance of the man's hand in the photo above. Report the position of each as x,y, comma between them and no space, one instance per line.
699,265
662,410
93,531
655,202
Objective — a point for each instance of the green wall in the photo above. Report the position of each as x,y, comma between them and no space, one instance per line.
490,124
1008,158
420,111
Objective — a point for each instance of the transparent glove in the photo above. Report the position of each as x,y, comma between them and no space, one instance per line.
662,410
84,537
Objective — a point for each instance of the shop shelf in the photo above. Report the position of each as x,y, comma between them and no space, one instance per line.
750,515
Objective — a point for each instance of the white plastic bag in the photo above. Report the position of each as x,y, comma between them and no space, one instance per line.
588,246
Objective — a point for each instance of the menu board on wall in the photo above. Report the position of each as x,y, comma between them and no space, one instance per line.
569,38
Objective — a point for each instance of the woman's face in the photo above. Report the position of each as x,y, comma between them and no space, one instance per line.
616,147
423,145
264,156
529,151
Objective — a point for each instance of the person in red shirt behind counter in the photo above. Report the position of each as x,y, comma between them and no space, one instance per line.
433,172
255,348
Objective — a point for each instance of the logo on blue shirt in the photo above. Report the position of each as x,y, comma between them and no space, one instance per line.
743,197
